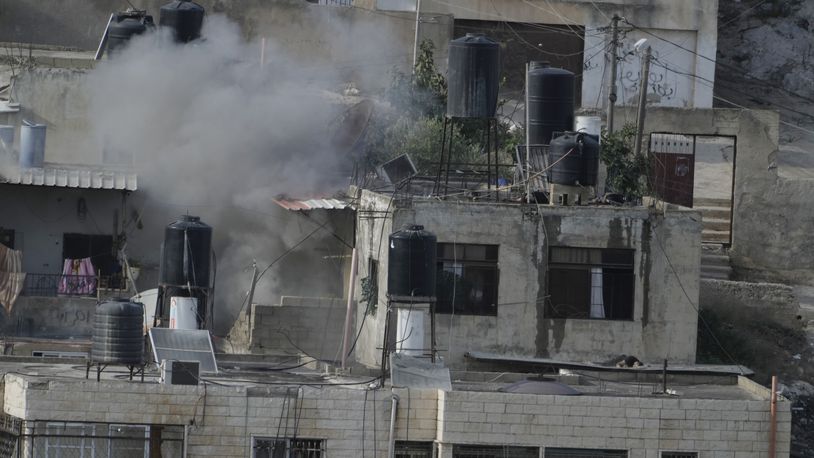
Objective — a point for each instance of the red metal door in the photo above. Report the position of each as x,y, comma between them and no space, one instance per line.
672,168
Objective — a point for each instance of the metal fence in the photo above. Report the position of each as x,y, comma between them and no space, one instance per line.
97,440
52,285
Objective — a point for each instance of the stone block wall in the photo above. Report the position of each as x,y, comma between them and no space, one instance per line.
315,329
222,420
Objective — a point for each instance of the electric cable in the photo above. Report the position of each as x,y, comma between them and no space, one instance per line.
768,84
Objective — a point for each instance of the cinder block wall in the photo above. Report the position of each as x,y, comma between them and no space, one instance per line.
316,330
222,420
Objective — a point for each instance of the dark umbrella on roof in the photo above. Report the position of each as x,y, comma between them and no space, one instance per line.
540,387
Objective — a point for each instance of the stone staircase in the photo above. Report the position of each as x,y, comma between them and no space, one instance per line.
717,217
715,262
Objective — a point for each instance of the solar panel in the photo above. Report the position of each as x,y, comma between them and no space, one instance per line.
184,345
398,169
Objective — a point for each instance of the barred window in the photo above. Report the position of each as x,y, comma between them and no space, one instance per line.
494,451
553,452
412,449
266,447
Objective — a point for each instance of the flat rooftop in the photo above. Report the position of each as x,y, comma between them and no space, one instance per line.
251,372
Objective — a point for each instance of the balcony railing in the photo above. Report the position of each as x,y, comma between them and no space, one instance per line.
52,285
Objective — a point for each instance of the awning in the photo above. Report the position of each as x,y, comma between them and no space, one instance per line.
297,205
74,177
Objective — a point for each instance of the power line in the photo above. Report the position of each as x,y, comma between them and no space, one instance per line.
690,301
741,71
707,83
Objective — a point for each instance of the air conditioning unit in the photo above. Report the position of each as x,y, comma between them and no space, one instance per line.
179,372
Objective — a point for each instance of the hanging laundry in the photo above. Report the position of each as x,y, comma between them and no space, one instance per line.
78,277
12,278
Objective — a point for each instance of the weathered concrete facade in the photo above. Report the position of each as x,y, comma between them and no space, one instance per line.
664,319
221,420
691,24
771,214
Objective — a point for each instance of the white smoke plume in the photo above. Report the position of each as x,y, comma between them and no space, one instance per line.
215,135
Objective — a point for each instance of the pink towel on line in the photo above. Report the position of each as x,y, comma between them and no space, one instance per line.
78,277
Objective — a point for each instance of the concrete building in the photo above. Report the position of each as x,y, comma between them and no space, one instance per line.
531,296
572,34
575,35
54,411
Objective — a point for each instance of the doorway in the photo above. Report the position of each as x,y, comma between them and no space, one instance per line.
697,171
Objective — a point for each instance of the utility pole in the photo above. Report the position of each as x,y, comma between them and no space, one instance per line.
528,138
417,26
249,300
642,100
613,63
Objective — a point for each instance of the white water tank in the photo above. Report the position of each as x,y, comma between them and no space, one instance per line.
32,145
589,124
410,332
183,312
149,298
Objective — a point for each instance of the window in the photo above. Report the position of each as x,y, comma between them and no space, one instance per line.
129,441
7,237
590,283
494,451
406,449
69,440
551,452
679,454
267,447
467,279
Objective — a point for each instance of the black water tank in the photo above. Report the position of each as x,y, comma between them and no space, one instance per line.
473,77
551,102
125,26
185,18
580,166
185,254
118,333
411,262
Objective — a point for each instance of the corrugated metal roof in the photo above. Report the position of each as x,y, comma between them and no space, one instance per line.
74,177
297,205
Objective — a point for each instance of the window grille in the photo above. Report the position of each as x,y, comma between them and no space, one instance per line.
551,452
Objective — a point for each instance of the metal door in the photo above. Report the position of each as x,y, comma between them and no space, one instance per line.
672,169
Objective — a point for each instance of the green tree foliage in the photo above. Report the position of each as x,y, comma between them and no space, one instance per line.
627,172
415,121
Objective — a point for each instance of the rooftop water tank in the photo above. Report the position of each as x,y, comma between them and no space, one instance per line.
184,18
186,252
551,102
411,262
473,77
575,159
124,26
118,333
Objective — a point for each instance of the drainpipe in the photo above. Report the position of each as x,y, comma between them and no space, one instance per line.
186,439
391,444
348,312
773,430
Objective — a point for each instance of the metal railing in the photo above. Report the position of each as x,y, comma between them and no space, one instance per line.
53,285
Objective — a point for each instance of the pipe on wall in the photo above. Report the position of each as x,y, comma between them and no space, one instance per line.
391,443
773,430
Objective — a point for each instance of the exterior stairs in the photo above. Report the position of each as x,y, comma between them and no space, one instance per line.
717,217
715,262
